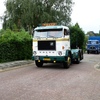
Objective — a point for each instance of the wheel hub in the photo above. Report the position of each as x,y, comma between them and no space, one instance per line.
69,60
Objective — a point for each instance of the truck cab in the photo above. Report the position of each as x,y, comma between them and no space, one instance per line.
51,44
93,45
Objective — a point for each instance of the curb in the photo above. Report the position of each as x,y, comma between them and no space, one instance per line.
9,65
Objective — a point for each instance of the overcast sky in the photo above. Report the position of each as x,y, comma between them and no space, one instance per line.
85,12
2,9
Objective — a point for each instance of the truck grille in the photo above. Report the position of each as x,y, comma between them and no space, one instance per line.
46,45
92,47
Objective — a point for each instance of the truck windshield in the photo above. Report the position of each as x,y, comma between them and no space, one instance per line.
49,33
93,42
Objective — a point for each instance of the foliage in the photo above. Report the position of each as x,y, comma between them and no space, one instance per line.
91,33
15,46
98,34
77,36
2,31
31,13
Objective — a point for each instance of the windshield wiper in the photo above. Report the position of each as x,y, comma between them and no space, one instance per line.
50,36
37,36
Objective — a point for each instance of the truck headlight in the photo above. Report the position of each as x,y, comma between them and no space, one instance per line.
34,52
59,53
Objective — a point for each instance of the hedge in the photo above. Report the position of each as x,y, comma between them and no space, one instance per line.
15,46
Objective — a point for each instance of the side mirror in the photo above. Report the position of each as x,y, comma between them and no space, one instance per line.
33,33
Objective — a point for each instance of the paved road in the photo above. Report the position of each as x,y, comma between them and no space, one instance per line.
52,82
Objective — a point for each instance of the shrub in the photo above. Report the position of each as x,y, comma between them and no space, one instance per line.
15,46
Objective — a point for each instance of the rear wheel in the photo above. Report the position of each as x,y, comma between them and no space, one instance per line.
39,64
88,51
97,52
81,55
67,63
78,59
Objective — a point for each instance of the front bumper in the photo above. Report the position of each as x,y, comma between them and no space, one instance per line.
92,50
50,58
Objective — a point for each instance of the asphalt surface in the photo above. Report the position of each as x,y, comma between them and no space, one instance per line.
52,82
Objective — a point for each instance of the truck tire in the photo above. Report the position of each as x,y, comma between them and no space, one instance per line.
88,52
97,52
67,64
78,59
39,64
81,56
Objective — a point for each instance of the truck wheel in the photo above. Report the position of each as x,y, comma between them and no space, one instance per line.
67,63
81,56
39,64
88,52
97,52
78,59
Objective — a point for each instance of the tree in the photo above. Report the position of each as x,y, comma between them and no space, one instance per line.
91,33
31,13
77,36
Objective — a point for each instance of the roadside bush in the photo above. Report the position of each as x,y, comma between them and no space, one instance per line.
77,37
15,46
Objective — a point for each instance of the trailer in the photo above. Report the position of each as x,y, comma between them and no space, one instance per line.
52,44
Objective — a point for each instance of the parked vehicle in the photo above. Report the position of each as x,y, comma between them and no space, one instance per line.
93,44
51,44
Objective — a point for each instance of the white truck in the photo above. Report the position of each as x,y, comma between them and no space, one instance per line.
51,44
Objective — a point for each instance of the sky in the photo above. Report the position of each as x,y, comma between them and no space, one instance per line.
2,9
85,12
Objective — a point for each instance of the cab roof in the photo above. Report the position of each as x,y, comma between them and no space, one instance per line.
51,27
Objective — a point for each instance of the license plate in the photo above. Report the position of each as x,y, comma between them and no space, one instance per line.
47,59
